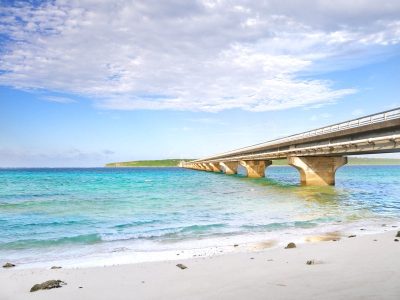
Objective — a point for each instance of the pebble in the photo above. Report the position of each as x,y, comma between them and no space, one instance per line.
181,266
47,285
8,265
290,246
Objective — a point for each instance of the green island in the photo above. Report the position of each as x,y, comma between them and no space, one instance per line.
147,163
279,162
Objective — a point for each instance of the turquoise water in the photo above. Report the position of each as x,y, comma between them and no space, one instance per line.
65,214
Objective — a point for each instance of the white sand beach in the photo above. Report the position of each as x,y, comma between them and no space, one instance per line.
361,267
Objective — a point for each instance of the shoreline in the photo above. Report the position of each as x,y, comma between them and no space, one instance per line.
340,270
124,253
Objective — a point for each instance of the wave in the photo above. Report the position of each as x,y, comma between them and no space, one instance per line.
167,233
83,239
279,226
134,224
49,224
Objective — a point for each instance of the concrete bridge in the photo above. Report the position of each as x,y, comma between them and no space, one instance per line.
316,154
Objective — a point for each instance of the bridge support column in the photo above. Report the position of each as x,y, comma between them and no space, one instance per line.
200,167
255,168
316,170
207,167
215,167
229,167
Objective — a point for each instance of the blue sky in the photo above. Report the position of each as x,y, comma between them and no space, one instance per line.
84,84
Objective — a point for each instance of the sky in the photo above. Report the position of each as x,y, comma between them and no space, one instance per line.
87,82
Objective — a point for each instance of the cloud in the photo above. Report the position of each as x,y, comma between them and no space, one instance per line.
57,99
320,117
212,121
193,55
22,157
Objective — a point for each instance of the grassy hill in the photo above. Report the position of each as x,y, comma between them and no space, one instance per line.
279,162
147,163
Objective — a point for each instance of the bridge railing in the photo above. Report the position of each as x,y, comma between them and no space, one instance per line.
362,121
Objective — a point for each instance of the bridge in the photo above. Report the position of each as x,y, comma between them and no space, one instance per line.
316,154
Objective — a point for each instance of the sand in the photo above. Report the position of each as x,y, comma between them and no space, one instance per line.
362,267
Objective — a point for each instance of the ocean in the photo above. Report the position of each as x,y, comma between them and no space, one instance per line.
103,216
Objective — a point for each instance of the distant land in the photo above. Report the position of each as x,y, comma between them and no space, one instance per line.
148,163
279,162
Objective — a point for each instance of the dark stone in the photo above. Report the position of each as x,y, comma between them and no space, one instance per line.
55,267
351,236
398,234
310,262
47,285
396,240
181,266
290,246
251,257
8,265
236,245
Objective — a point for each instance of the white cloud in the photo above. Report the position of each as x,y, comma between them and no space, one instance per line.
19,157
320,116
193,55
212,121
57,99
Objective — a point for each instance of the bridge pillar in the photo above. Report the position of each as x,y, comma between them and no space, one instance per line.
255,168
215,167
207,167
316,170
229,167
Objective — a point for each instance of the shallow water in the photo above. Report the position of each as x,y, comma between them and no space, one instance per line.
70,214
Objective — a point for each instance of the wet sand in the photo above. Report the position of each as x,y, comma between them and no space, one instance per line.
362,267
